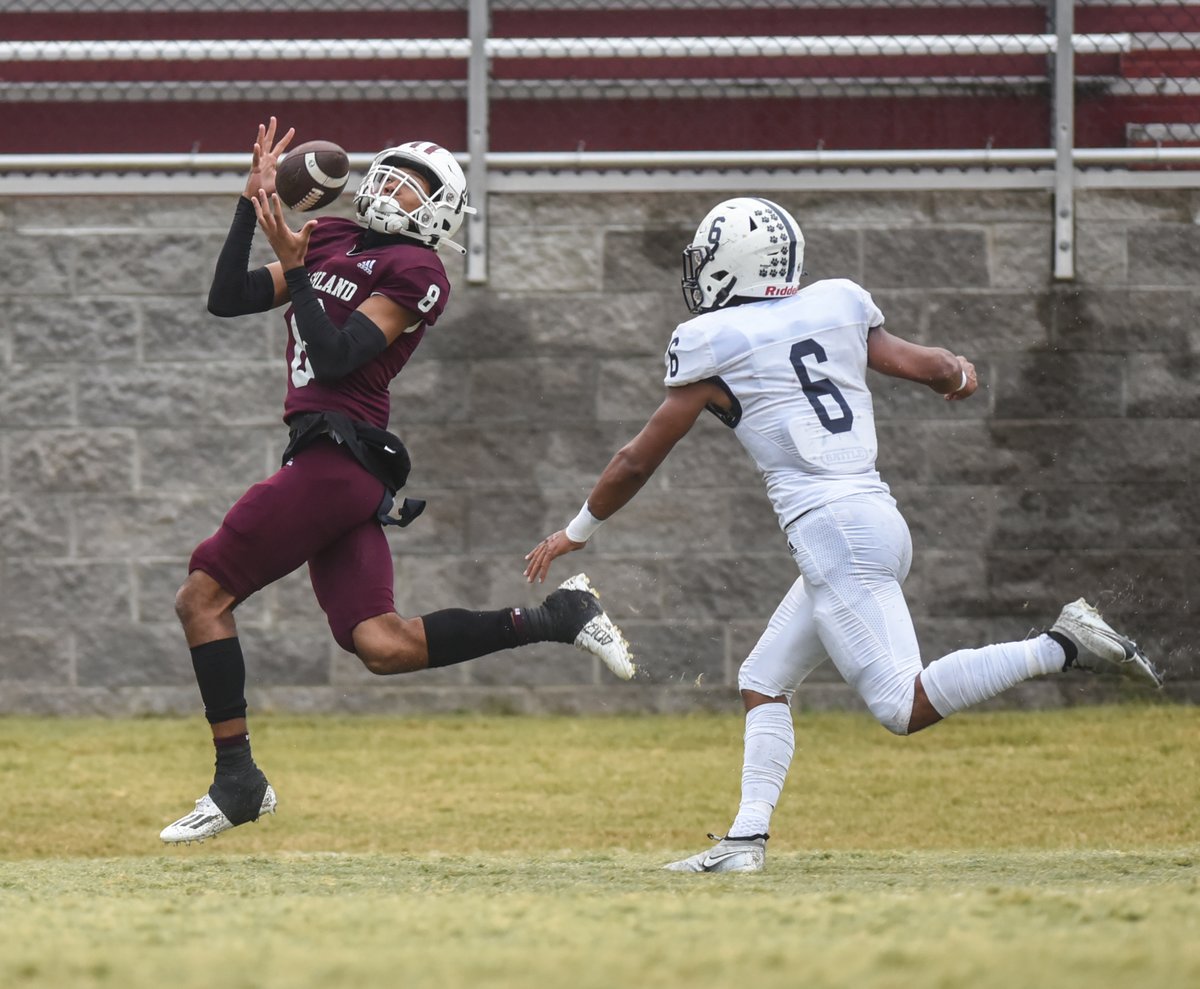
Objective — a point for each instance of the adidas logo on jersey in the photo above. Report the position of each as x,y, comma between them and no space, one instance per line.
368,265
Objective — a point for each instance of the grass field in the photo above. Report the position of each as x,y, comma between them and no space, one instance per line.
1037,849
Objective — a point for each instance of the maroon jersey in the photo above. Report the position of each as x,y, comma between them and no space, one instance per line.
343,276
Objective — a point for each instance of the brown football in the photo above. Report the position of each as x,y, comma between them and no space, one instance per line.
312,175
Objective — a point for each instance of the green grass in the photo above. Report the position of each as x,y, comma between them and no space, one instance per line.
999,850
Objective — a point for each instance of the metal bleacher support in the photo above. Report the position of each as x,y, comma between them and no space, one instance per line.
1064,141
479,26
1059,166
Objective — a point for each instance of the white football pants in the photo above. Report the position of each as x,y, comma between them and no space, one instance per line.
847,606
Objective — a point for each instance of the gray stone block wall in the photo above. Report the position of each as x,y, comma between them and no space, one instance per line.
130,420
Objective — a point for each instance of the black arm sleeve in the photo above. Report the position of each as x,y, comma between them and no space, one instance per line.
236,291
332,353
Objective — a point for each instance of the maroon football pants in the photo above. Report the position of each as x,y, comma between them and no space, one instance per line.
320,509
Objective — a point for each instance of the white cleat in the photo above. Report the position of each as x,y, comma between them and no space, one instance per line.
1101,648
727,855
600,635
208,820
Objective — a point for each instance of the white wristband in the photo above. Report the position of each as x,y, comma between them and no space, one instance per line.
583,526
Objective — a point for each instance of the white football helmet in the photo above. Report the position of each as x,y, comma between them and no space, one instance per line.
744,248
440,213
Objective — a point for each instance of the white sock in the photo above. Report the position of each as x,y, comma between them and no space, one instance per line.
966,677
770,741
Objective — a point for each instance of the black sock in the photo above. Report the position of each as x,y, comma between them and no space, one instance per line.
557,619
455,635
233,755
221,675
238,784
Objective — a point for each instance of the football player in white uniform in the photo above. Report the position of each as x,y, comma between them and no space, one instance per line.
785,368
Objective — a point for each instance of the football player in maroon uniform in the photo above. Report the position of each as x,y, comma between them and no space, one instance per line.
360,296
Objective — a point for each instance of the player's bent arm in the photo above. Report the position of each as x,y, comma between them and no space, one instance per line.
236,291
936,367
635,463
628,470
332,352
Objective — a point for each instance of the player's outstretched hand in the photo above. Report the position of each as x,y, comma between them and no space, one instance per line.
289,245
266,159
538,560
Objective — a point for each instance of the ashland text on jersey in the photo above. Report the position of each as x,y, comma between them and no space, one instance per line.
343,274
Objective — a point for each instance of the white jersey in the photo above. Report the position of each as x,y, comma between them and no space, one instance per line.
796,371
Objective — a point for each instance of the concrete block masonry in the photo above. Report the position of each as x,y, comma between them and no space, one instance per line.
130,420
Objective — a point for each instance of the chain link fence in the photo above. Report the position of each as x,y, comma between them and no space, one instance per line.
160,76
749,75
1147,94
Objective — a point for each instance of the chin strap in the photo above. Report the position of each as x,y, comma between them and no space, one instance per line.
429,240
436,242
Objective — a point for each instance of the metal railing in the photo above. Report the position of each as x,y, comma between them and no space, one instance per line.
321,49
591,95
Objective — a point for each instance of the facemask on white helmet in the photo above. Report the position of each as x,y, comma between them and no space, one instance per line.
438,214
744,248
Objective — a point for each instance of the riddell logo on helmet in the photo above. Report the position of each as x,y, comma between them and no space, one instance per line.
775,290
